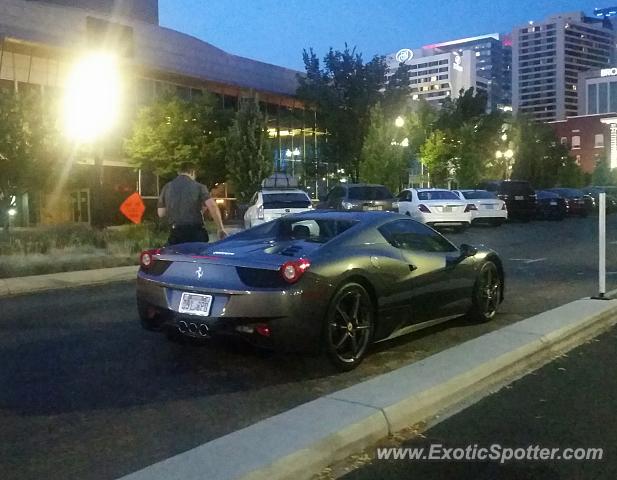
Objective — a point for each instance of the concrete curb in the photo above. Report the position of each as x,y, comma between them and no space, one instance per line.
54,281
300,442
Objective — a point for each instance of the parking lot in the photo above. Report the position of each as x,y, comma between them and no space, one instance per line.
85,393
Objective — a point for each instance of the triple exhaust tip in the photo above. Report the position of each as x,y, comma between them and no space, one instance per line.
193,328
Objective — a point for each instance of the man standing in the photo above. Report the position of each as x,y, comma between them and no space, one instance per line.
182,201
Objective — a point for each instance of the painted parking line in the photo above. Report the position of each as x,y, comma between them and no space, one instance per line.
528,261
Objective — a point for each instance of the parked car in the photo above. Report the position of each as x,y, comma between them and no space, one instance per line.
271,203
489,208
287,284
436,207
577,202
358,197
519,196
550,206
611,197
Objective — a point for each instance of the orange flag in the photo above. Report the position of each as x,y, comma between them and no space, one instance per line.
133,208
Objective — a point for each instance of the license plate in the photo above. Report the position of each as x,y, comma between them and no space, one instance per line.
447,209
519,197
195,304
489,207
372,208
553,203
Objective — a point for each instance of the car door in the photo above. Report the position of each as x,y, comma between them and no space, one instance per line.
440,281
404,201
251,212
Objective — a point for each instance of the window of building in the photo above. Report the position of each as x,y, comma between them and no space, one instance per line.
564,140
603,98
578,160
576,142
613,97
592,101
598,140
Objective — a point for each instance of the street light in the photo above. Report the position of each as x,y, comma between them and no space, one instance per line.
92,98
399,122
498,154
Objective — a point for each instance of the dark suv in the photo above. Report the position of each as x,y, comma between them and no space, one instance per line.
520,197
358,197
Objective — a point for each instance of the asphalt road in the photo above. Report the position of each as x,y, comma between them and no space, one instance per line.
86,394
569,403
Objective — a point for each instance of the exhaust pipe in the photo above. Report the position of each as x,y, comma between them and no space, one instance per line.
182,326
193,327
203,330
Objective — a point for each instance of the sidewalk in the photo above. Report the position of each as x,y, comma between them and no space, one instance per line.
54,281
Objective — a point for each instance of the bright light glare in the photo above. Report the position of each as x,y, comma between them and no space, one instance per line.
498,154
399,122
12,212
508,154
92,100
405,142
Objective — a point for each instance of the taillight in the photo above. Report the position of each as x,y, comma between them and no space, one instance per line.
260,212
503,207
147,257
292,271
423,208
470,207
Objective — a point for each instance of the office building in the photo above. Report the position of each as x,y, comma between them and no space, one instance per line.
493,62
547,58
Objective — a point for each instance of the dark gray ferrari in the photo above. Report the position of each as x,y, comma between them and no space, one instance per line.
335,281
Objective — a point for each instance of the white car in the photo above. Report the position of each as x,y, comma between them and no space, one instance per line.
268,204
435,207
489,208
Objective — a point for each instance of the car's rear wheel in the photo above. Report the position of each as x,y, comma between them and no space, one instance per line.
486,293
349,328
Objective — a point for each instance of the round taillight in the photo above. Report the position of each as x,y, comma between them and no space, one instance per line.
292,271
146,259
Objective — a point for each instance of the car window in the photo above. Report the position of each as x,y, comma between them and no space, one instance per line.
543,194
411,235
404,196
517,188
478,195
369,193
437,195
286,200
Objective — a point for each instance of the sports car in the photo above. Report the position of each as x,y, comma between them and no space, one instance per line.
318,281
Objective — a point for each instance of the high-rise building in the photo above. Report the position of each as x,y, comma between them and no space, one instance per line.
547,58
435,75
493,54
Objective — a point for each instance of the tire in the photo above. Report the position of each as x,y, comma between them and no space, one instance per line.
349,327
486,294
149,318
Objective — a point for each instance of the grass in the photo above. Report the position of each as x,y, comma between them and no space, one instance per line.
41,250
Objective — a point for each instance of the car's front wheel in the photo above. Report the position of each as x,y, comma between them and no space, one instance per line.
486,293
349,328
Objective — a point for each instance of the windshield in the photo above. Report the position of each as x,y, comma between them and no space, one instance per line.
543,194
318,230
369,193
437,195
567,192
518,188
286,200
478,195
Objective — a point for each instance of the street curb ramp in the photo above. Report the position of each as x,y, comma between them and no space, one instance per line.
299,443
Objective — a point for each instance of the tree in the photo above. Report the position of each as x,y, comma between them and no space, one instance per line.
343,92
29,144
602,174
171,131
383,159
248,150
436,153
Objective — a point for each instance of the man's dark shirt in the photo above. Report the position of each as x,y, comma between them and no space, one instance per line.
183,198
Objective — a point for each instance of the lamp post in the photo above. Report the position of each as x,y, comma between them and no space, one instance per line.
91,110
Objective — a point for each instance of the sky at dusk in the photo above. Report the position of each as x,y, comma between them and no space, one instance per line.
277,31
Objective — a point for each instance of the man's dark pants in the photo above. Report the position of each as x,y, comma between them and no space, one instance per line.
187,233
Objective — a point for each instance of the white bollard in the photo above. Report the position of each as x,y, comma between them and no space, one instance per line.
602,240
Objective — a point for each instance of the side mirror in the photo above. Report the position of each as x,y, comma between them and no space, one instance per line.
467,250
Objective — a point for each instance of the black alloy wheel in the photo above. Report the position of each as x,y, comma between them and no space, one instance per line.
486,293
349,328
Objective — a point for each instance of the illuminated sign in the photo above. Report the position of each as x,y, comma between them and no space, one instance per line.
403,55
608,72
457,62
